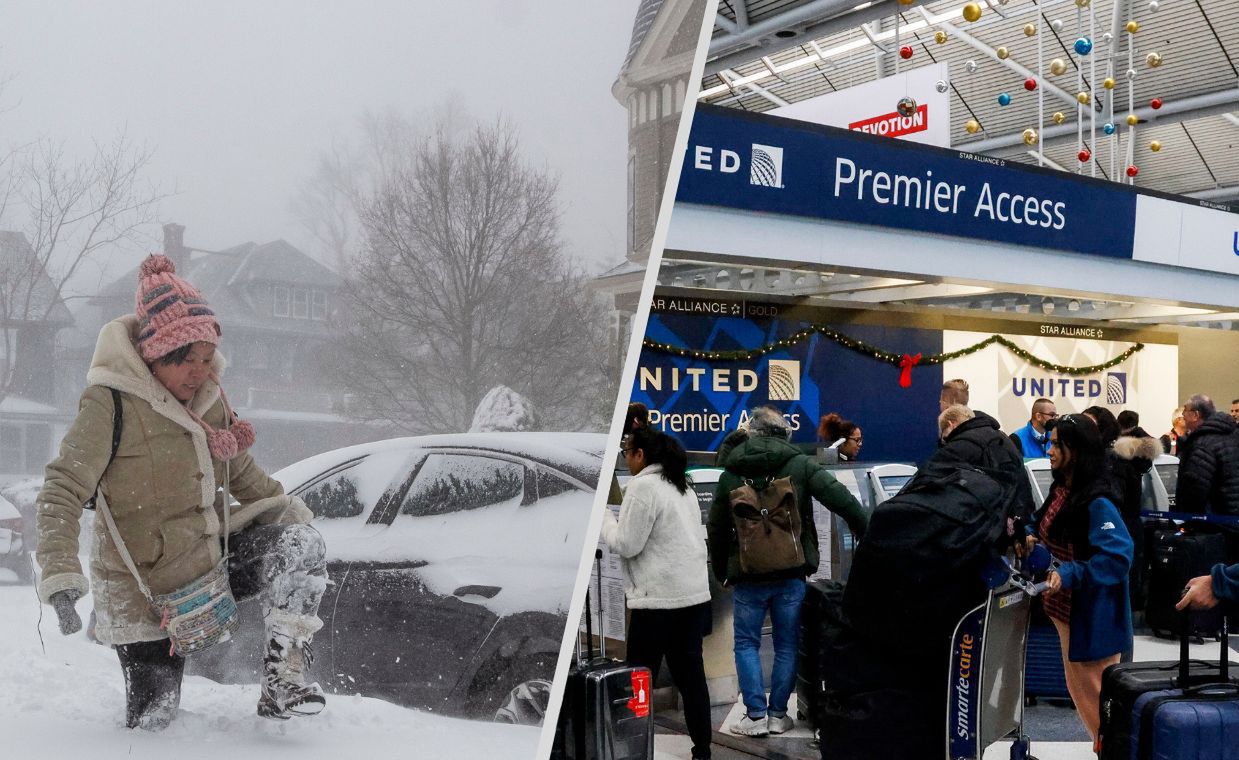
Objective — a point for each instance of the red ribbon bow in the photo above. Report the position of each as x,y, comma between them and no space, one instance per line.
906,364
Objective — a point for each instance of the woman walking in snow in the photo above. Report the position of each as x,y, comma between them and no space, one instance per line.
154,437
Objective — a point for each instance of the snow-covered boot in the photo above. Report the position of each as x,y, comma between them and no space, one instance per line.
285,693
152,683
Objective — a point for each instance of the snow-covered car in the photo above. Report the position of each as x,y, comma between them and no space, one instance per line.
452,560
14,566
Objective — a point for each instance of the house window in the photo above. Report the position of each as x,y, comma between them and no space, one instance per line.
281,301
301,303
318,306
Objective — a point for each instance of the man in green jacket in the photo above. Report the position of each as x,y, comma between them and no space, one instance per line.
768,455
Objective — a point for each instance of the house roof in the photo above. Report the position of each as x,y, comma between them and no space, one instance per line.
641,25
28,293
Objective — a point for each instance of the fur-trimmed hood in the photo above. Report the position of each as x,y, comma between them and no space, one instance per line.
1131,447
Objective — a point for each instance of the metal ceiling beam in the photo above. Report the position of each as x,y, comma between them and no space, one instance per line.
730,78
1228,193
917,292
1187,109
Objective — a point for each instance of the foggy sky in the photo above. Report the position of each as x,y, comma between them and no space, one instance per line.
240,99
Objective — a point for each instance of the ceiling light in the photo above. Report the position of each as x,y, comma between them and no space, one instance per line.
1073,305
1047,306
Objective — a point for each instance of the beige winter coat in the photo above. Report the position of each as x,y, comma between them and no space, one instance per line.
161,489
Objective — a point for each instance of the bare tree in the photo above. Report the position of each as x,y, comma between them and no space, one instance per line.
58,215
460,284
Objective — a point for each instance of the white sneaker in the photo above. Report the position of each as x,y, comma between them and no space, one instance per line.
779,724
746,726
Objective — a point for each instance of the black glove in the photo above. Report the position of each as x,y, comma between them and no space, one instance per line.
62,602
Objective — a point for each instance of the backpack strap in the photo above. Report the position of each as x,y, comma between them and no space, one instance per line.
118,425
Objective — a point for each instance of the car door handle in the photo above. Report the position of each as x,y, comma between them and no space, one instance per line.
488,592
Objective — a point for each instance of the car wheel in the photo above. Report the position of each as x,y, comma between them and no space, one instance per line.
515,690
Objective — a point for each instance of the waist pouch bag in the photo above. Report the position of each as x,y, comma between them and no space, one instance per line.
196,616
767,523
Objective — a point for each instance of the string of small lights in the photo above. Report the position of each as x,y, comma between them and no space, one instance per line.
898,360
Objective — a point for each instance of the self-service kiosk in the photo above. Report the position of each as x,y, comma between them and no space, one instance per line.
1041,478
885,480
1160,483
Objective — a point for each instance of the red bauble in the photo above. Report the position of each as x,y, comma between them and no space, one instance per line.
905,52
1030,84
1155,104
1084,156
1132,171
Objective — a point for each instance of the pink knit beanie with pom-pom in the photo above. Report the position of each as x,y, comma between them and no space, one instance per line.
171,312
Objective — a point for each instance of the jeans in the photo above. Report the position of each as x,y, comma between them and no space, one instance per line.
676,634
752,600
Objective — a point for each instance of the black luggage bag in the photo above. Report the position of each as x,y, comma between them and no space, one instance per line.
1125,683
607,711
1177,555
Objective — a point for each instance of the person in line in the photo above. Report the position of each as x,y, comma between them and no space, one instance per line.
973,438
1087,595
1033,440
953,392
638,416
1178,430
658,537
1208,460
768,455
1129,424
843,439
178,440
1205,592
1234,410
1128,456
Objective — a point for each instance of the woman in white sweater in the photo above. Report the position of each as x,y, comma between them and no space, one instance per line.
659,536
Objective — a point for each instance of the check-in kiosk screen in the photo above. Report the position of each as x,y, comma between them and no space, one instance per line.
1044,479
1169,473
891,484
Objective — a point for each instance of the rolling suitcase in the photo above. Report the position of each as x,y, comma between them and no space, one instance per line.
1177,556
1170,709
606,714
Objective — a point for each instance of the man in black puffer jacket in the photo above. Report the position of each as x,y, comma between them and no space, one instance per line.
1208,460
974,438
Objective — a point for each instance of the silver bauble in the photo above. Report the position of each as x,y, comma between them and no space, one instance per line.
1154,6
1107,38
970,66
1131,75
941,86
1057,24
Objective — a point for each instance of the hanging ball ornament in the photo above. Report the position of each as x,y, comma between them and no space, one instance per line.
1004,99
1153,59
1030,30
1132,120
1131,75
1083,156
1084,46
972,12
1083,3
1030,136
941,86
1108,128
1057,24
1107,38
1002,53
1132,170
906,106
905,52
1155,146
1155,103
972,126
1132,27
940,37
1058,66
1083,98
1108,83
1030,84
1154,6
970,66
1059,117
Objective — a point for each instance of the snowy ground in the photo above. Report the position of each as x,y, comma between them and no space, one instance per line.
69,702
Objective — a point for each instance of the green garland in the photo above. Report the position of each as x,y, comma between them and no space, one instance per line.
886,356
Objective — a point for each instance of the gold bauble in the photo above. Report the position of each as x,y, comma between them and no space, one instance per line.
972,12
972,126
1153,59
1058,66
1030,136
1108,83
1030,30
1155,146
1133,27
940,37
1132,120
1059,117
1083,3
1002,53
1082,97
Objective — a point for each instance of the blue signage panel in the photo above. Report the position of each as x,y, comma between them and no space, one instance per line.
701,401
764,163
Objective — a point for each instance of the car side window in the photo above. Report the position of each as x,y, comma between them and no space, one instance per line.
455,482
352,488
550,485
